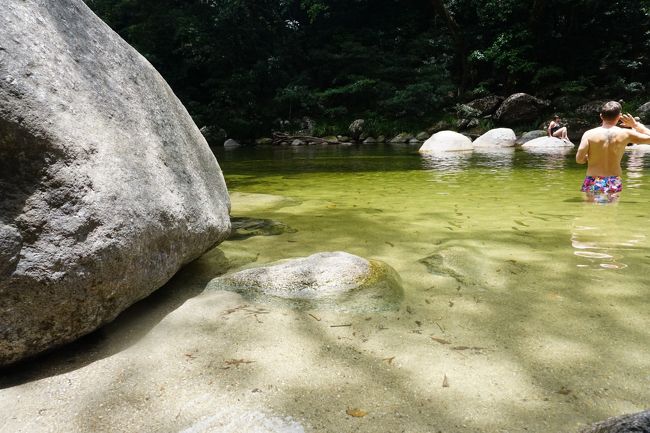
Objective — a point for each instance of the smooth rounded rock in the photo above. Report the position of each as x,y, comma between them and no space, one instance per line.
108,186
633,423
336,278
546,143
530,135
499,137
446,141
520,108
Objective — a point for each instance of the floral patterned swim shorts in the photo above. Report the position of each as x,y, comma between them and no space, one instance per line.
602,184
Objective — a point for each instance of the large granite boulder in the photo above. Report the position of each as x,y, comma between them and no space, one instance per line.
547,143
486,105
530,135
446,141
108,187
499,137
337,278
634,423
356,128
520,108
644,113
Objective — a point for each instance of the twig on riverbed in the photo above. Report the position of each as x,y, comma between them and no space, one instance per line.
341,326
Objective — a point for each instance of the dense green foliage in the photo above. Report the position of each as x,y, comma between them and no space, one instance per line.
247,65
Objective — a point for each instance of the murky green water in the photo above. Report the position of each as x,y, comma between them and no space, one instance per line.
497,252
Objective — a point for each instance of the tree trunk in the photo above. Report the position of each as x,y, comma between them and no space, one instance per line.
459,41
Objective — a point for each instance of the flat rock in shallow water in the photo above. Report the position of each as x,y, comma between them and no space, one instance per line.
547,143
108,186
337,278
446,141
496,138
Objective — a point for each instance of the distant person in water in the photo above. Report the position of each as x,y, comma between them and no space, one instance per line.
602,149
557,130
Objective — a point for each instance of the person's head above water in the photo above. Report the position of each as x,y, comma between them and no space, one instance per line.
610,111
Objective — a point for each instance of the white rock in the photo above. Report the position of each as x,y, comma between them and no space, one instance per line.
446,141
546,143
499,137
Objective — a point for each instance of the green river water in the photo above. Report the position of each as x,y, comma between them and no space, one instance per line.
542,296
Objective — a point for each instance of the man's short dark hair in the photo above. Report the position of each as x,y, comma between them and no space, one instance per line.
610,110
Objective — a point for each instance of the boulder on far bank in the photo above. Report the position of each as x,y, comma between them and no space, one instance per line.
446,141
403,137
644,113
108,186
356,129
499,137
486,105
530,135
231,144
520,108
341,279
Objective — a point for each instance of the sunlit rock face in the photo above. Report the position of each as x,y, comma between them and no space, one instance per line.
446,141
335,279
499,137
108,187
546,143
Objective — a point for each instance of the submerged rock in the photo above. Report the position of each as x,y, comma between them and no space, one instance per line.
499,137
108,187
446,141
634,423
337,278
244,228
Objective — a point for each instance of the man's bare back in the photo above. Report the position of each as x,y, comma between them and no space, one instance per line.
602,148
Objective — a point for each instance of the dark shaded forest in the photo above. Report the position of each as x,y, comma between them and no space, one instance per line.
250,67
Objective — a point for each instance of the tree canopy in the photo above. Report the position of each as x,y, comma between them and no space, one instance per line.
248,66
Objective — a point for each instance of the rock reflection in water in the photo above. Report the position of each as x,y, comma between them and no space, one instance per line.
446,161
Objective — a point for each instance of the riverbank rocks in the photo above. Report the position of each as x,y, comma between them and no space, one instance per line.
530,135
356,129
264,141
644,113
634,423
403,137
520,108
231,144
446,141
487,105
499,137
337,279
108,187
547,143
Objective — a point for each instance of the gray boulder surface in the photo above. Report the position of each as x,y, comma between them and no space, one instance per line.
339,278
402,137
644,113
499,137
486,105
108,187
356,129
530,135
231,144
446,141
633,423
520,108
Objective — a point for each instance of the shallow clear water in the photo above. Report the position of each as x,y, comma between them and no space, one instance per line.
497,252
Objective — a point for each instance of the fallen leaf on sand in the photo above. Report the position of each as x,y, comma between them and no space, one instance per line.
445,382
440,340
237,362
389,360
564,391
357,413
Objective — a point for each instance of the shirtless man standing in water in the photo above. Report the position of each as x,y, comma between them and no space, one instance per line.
602,149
